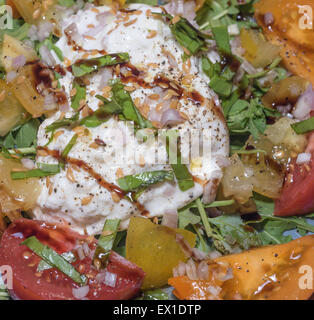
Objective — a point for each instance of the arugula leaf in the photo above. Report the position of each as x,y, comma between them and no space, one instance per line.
79,95
249,117
186,217
144,180
84,67
303,126
226,12
274,227
234,233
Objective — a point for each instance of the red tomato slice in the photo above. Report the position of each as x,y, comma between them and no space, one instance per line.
52,284
297,196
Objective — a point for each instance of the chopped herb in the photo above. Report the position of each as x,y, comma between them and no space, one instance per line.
87,66
303,126
221,37
44,170
79,96
66,3
181,172
54,259
65,122
144,180
68,256
106,241
69,146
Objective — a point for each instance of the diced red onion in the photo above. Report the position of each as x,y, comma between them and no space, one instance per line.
198,254
81,292
268,19
28,163
86,249
72,32
214,291
64,107
11,76
154,115
228,276
49,102
171,117
202,270
80,253
185,247
19,62
210,189
105,17
304,105
191,270
92,32
110,279
182,8
44,30
33,32
310,145
106,75
170,219
303,158
246,66
46,56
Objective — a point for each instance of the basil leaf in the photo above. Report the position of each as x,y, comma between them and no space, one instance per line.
54,259
87,66
144,179
303,126
106,241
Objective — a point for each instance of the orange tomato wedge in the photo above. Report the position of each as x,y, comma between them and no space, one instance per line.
287,31
279,272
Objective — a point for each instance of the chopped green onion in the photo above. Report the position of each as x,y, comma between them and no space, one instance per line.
69,146
106,241
204,218
303,126
87,66
44,170
68,256
66,122
54,259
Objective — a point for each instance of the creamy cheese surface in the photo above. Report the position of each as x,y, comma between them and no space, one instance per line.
73,195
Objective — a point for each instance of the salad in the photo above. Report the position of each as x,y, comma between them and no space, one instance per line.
156,150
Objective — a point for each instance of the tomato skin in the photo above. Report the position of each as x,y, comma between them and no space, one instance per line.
297,197
52,284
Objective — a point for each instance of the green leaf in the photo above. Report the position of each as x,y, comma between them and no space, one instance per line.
69,146
186,217
79,95
222,39
84,67
27,134
44,170
273,226
221,86
54,259
303,126
156,294
234,232
66,3
144,179
106,241
65,122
